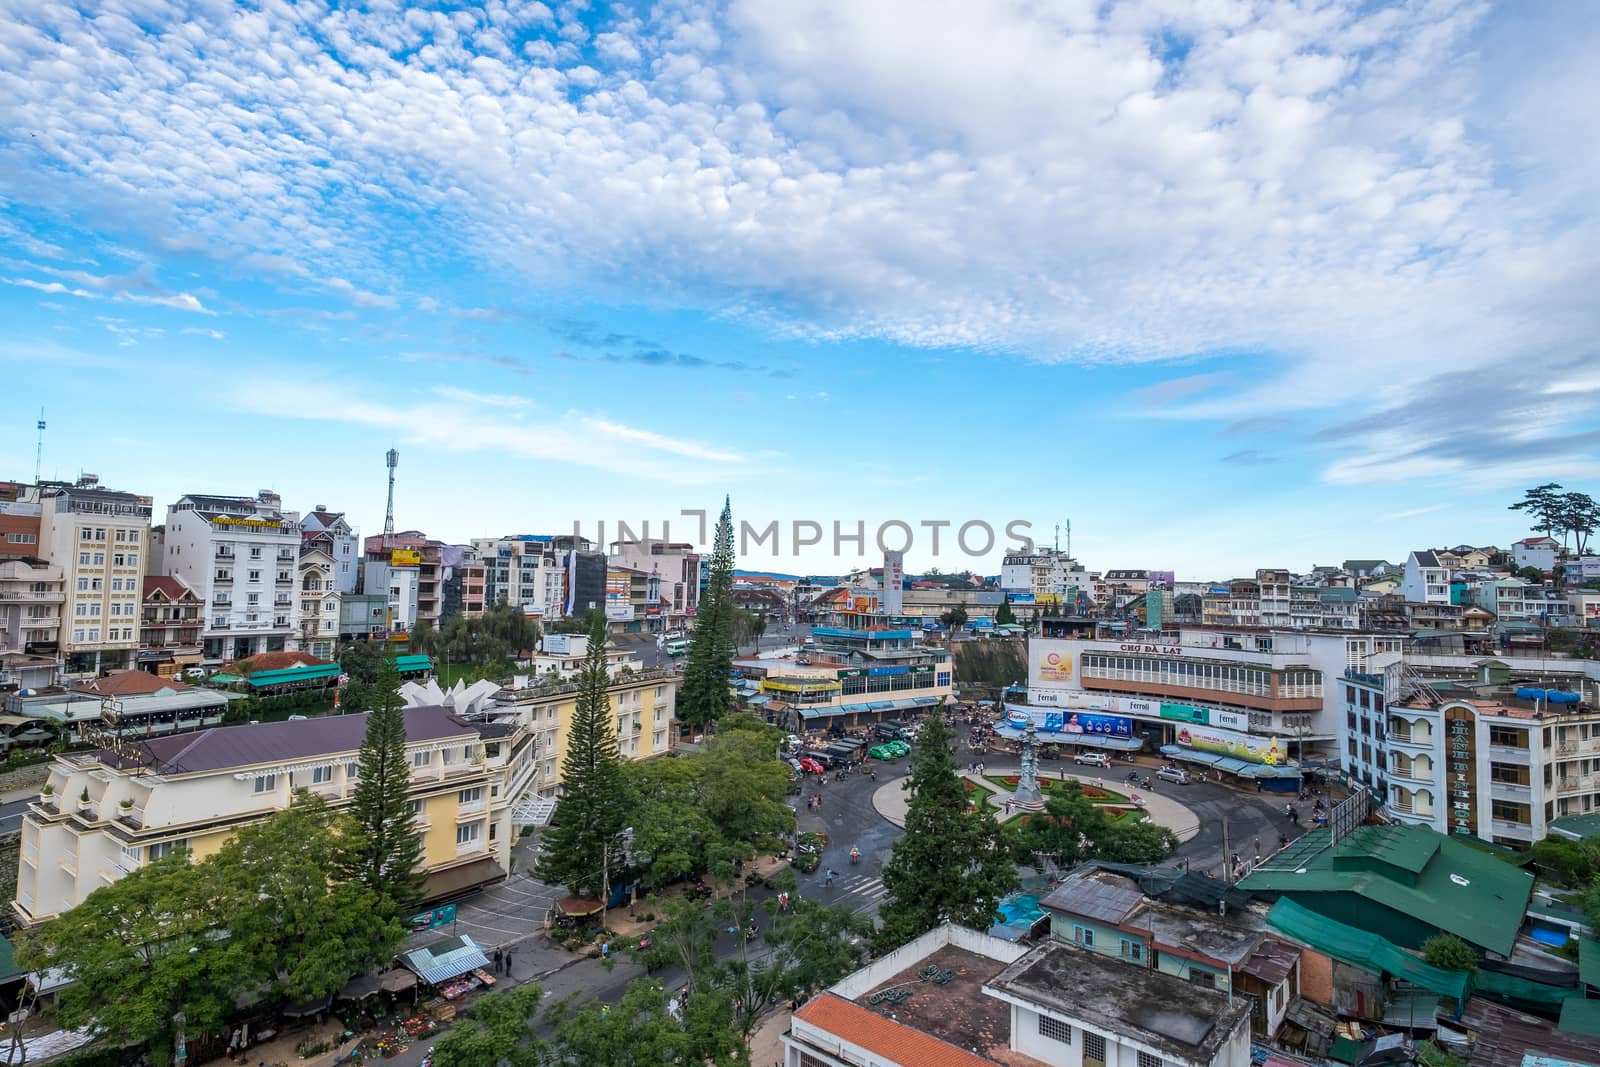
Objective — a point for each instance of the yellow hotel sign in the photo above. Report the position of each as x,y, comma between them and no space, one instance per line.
405,557
259,524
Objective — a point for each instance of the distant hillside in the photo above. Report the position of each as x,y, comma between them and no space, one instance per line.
990,663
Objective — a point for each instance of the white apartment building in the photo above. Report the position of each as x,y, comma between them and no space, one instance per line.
951,997
1275,588
676,564
317,577
526,572
1475,758
332,530
1511,599
241,555
1047,574
399,587
1426,581
562,655
1539,552
31,595
99,538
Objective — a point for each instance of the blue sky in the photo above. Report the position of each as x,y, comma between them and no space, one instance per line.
1227,285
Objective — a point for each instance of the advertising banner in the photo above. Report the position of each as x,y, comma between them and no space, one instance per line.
1228,743
1046,697
1231,720
432,920
1142,707
619,612
1020,598
1185,713
1055,666
405,557
1069,722
1162,579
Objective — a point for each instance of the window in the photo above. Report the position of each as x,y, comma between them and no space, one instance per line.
1055,1029
96,585
421,759
121,535
133,537
1082,935
255,553
118,560
83,585
1508,737
1147,1060
80,609
23,538
266,783
255,576
1204,979
468,833
94,633
1094,1047
83,559
99,559
86,534
99,533
1132,950
414,807
352,771
470,796
162,849
252,598
77,635
321,775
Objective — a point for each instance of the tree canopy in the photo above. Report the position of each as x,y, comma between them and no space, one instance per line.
500,635
951,865
1072,829
704,695
385,853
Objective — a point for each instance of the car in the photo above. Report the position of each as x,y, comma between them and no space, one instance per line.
900,748
885,751
793,741
1092,759
889,731
1175,775
811,766
194,672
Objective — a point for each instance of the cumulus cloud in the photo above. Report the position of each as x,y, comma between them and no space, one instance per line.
1367,195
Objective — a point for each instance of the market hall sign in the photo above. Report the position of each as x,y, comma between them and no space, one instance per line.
1461,769
1153,650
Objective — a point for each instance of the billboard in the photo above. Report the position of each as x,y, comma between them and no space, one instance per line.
405,557
1230,743
894,580
1020,598
619,611
1069,722
1055,665
1162,579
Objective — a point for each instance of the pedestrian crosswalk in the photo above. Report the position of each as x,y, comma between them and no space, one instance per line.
859,886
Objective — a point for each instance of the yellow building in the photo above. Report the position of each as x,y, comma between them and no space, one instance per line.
106,813
643,707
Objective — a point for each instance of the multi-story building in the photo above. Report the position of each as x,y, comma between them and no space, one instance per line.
332,531
1275,590
99,538
644,704
1506,597
240,555
868,668
1120,586
1580,570
562,656
363,616
194,791
959,998
1053,578
412,568
317,574
169,634
474,582
633,600
677,566
1540,553
1426,581
528,572
396,582
1495,748
31,595
19,521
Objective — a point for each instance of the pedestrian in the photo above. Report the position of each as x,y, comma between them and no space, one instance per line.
496,961
605,950
1257,844
508,962
1258,785
1008,807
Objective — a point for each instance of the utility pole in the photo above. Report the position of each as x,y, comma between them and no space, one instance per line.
391,460
38,451
1227,856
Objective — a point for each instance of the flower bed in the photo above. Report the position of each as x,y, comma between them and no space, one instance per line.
978,794
1092,793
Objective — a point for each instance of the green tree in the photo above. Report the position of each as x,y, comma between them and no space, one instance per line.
383,851
362,660
141,950
1003,615
704,695
809,948
1449,952
1572,863
496,1032
641,1030
1543,504
955,618
579,624
307,933
951,865
583,848
1579,516
1530,574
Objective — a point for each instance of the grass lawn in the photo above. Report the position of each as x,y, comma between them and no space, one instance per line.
1092,793
980,795
1111,814
472,672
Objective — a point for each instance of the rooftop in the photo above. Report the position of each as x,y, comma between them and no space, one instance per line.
1413,870
946,1001
1504,1036
129,683
168,586
1154,1008
224,747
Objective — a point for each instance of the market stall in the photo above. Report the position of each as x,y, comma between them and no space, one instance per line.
454,966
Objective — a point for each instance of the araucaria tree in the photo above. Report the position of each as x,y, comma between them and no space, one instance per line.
584,846
951,865
384,852
704,696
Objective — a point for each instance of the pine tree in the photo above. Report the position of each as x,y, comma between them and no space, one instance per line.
704,697
385,851
584,844
951,865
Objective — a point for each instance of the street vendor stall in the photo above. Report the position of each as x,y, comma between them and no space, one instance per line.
454,966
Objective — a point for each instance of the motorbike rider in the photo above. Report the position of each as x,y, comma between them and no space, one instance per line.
855,854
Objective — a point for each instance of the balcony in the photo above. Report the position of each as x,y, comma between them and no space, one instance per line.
224,553
220,580
1508,754
1578,783
29,596
1410,773
1512,791
1521,831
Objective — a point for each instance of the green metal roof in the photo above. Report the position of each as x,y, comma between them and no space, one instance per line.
1580,1015
224,679
1365,950
1578,826
413,663
1457,889
262,679
1589,962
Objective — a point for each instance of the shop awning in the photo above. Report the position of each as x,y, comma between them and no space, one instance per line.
577,907
448,959
361,987
924,702
292,675
880,705
405,664
455,880
758,701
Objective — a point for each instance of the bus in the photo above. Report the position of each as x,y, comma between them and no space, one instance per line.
677,648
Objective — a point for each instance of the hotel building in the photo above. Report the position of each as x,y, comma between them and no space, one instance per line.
99,538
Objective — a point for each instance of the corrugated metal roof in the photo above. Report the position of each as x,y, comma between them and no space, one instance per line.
289,675
446,960
1094,900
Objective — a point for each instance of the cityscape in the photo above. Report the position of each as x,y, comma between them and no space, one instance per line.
730,534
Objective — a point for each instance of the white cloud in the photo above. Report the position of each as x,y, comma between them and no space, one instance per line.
1328,184
467,396
204,331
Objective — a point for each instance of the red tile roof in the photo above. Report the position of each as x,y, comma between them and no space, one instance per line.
173,588
128,684
278,661
884,1037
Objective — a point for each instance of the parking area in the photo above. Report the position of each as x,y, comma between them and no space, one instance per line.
506,912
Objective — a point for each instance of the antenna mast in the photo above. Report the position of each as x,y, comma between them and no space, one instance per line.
1069,538
38,452
391,459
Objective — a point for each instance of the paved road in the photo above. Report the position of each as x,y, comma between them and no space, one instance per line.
11,816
